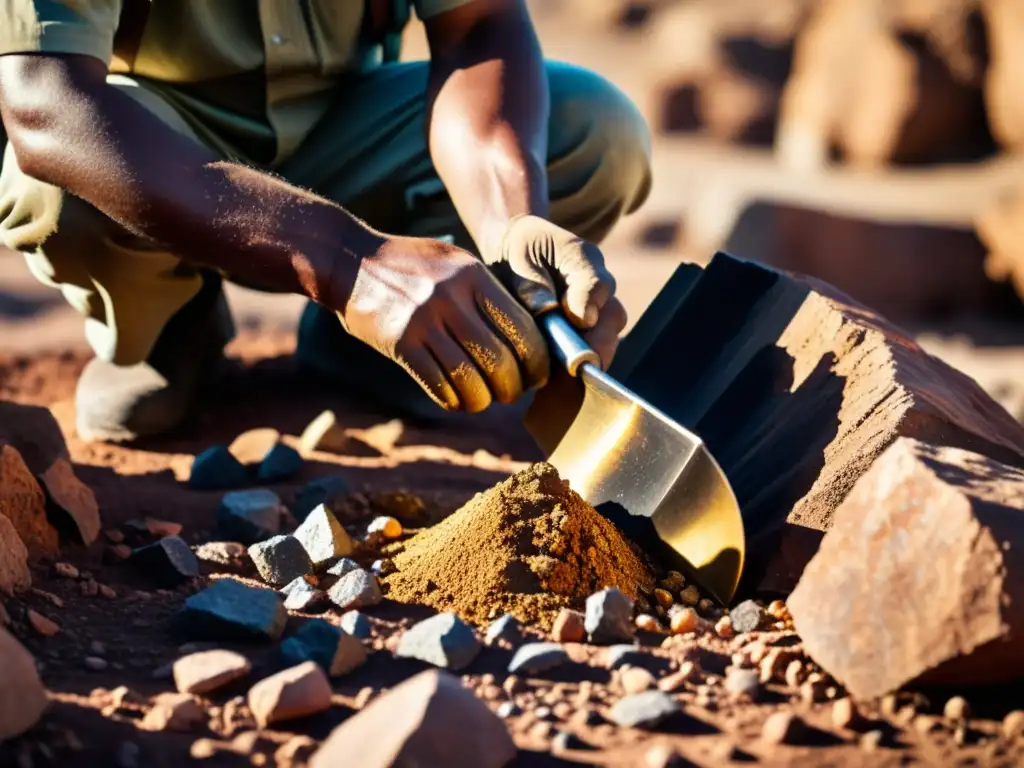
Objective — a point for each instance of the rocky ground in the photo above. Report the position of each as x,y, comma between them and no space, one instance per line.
882,485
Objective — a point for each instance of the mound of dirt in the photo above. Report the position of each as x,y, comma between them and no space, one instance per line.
529,546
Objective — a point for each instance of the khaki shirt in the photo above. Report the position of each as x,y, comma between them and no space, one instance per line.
252,77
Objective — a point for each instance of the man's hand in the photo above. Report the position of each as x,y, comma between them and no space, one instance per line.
440,313
548,266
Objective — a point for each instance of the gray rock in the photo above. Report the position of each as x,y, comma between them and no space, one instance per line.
280,560
743,682
328,491
620,655
443,640
643,710
609,616
281,462
504,629
317,641
229,610
216,469
746,617
249,516
356,624
167,562
356,589
534,658
343,566
323,537
300,595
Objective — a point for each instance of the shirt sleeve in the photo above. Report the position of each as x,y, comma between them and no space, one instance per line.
59,26
427,8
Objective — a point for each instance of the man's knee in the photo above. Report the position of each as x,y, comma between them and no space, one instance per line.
599,146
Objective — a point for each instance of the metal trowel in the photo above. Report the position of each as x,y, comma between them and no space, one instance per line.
655,479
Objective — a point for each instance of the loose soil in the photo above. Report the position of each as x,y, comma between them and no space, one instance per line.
529,546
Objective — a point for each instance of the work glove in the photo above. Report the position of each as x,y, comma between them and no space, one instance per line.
548,267
440,313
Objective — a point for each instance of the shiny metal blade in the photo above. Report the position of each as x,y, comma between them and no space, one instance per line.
624,455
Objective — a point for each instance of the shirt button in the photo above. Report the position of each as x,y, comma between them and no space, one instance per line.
277,39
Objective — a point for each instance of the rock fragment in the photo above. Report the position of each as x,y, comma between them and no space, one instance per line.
23,698
344,566
280,560
783,728
15,575
609,616
249,516
443,640
302,596
167,562
330,491
643,710
41,624
504,630
683,619
281,462
569,626
206,671
941,524
230,610
956,709
174,712
429,719
323,537
388,528
534,658
323,433
296,692
337,652
636,680
746,617
67,493
356,624
221,552
23,503
743,683
356,589
215,469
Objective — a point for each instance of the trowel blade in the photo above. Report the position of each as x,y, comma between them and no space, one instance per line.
622,454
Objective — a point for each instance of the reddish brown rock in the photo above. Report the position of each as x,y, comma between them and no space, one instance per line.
23,502
295,692
74,498
205,671
796,389
14,572
22,696
174,712
919,579
569,627
430,719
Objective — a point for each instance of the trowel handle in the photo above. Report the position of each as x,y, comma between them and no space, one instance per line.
569,347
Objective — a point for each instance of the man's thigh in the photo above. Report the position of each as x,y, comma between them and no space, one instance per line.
370,154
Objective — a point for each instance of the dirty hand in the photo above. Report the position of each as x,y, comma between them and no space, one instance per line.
547,266
438,312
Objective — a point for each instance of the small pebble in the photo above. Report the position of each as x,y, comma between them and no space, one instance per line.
845,715
356,589
871,741
533,658
957,709
743,683
723,627
355,624
303,596
95,663
746,617
707,607
782,728
609,616
387,527
643,710
647,623
296,692
281,560
443,640
683,620
205,671
673,581
690,596
65,570
569,626
664,598
678,680
636,680
503,630
42,625
168,562
1013,723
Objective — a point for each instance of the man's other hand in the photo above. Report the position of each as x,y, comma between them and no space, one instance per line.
548,266
442,315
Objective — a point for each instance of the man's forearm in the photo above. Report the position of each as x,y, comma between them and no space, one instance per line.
488,118
103,147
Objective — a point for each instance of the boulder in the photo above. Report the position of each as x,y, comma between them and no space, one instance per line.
22,696
23,503
919,579
796,390
430,719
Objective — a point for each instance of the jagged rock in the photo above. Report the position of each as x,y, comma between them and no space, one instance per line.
443,640
356,589
249,516
66,493
168,562
230,610
206,671
281,462
609,616
344,566
796,390
569,626
336,651
532,658
216,469
329,491
23,503
429,719
22,695
296,692
300,595
280,560
324,537
356,624
931,527
14,572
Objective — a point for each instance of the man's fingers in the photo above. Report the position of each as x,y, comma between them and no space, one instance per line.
603,338
588,284
492,357
425,369
462,373
517,326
